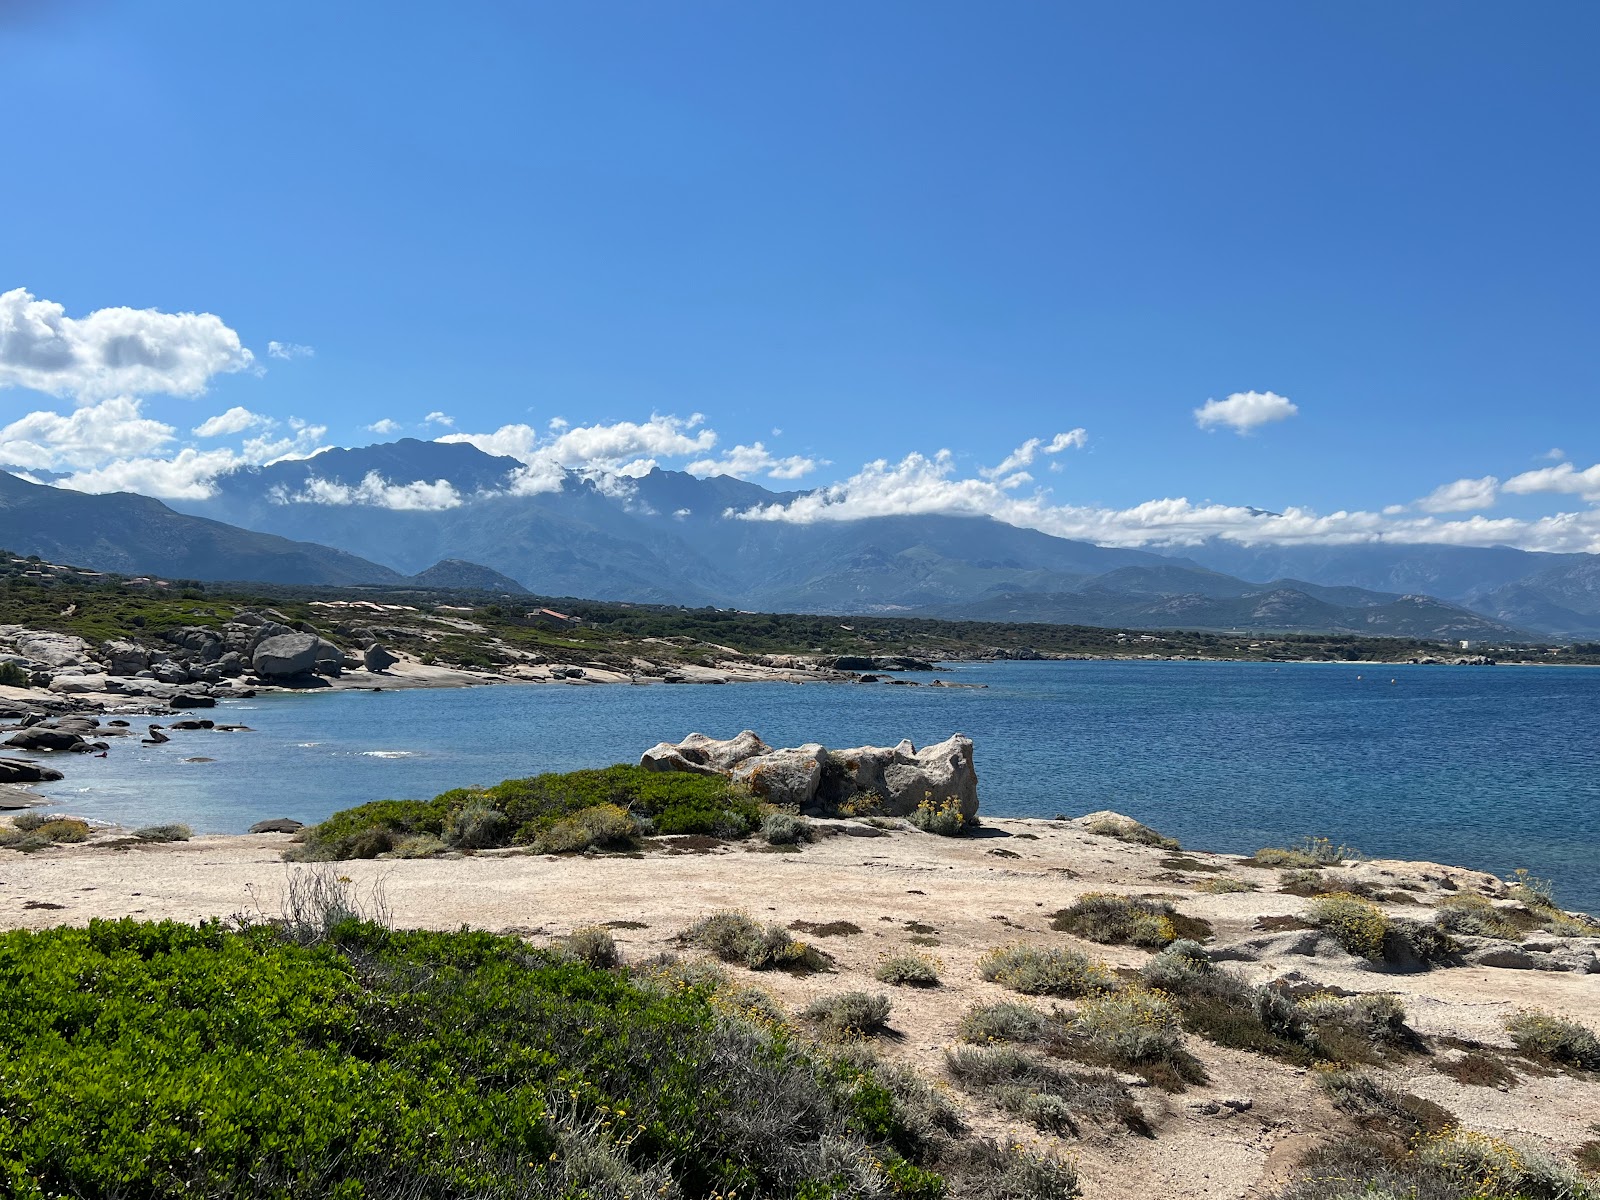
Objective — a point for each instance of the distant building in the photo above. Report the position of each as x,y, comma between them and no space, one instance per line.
1465,644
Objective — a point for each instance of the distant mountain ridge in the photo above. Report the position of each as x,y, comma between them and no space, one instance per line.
128,534
670,537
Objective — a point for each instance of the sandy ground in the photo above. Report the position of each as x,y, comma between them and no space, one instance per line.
972,892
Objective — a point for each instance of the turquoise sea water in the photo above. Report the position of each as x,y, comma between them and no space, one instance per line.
1495,768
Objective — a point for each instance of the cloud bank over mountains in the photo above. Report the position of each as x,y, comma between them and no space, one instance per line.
107,362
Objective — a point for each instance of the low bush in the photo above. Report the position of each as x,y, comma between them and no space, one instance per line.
64,829
1362,1028
1356,924
12,675
1035,971
1125,829
1130,1027
944,817
1046,1096
1554,1038
1221,885
1477,916
602,827
1307,852
592,944
908,969
554,813
419,845
163,1060
1116,920
848,1014
735,937
477,827
1381,1108
985,1170
1007,1021
1453,1164
164,833
786,829
29,822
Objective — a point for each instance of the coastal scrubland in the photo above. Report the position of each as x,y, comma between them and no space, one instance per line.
861,1009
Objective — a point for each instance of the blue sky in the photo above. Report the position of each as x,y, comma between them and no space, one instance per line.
884,230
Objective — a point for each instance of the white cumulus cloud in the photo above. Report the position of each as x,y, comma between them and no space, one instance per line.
376,492
384,426
1463,495
1563,478
110,429
1010,469
235,420
289,350
112,351
745,462
439,418
600,449
1244,411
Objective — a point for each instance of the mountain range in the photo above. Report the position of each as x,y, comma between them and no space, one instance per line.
383,514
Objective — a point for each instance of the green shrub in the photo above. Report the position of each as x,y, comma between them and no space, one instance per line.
848,1014
1358,925
1115,920
1035,971
166,1060
1549,1036
1129,1027
64,829
1380,1017
786,829
1041,1093
476,826
13,675
1531,890
29,822
1224,884
369,830
1277,856
1477,916
1007,1021
419,845
734,937
1125,829
592,944
908,969
603,827
554,813
983,1170
944,818
164,833
1370,1103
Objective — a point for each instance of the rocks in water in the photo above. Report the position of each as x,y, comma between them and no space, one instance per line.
43,737
278,825
192,700
879,662
893,780
20,770
193,723
376,658
285,655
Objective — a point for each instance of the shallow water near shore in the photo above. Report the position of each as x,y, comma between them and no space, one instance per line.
1488,768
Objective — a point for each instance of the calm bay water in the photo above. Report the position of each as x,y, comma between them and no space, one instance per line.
1491,768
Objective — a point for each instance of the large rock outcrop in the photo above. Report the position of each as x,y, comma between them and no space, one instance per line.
892,780
285,655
